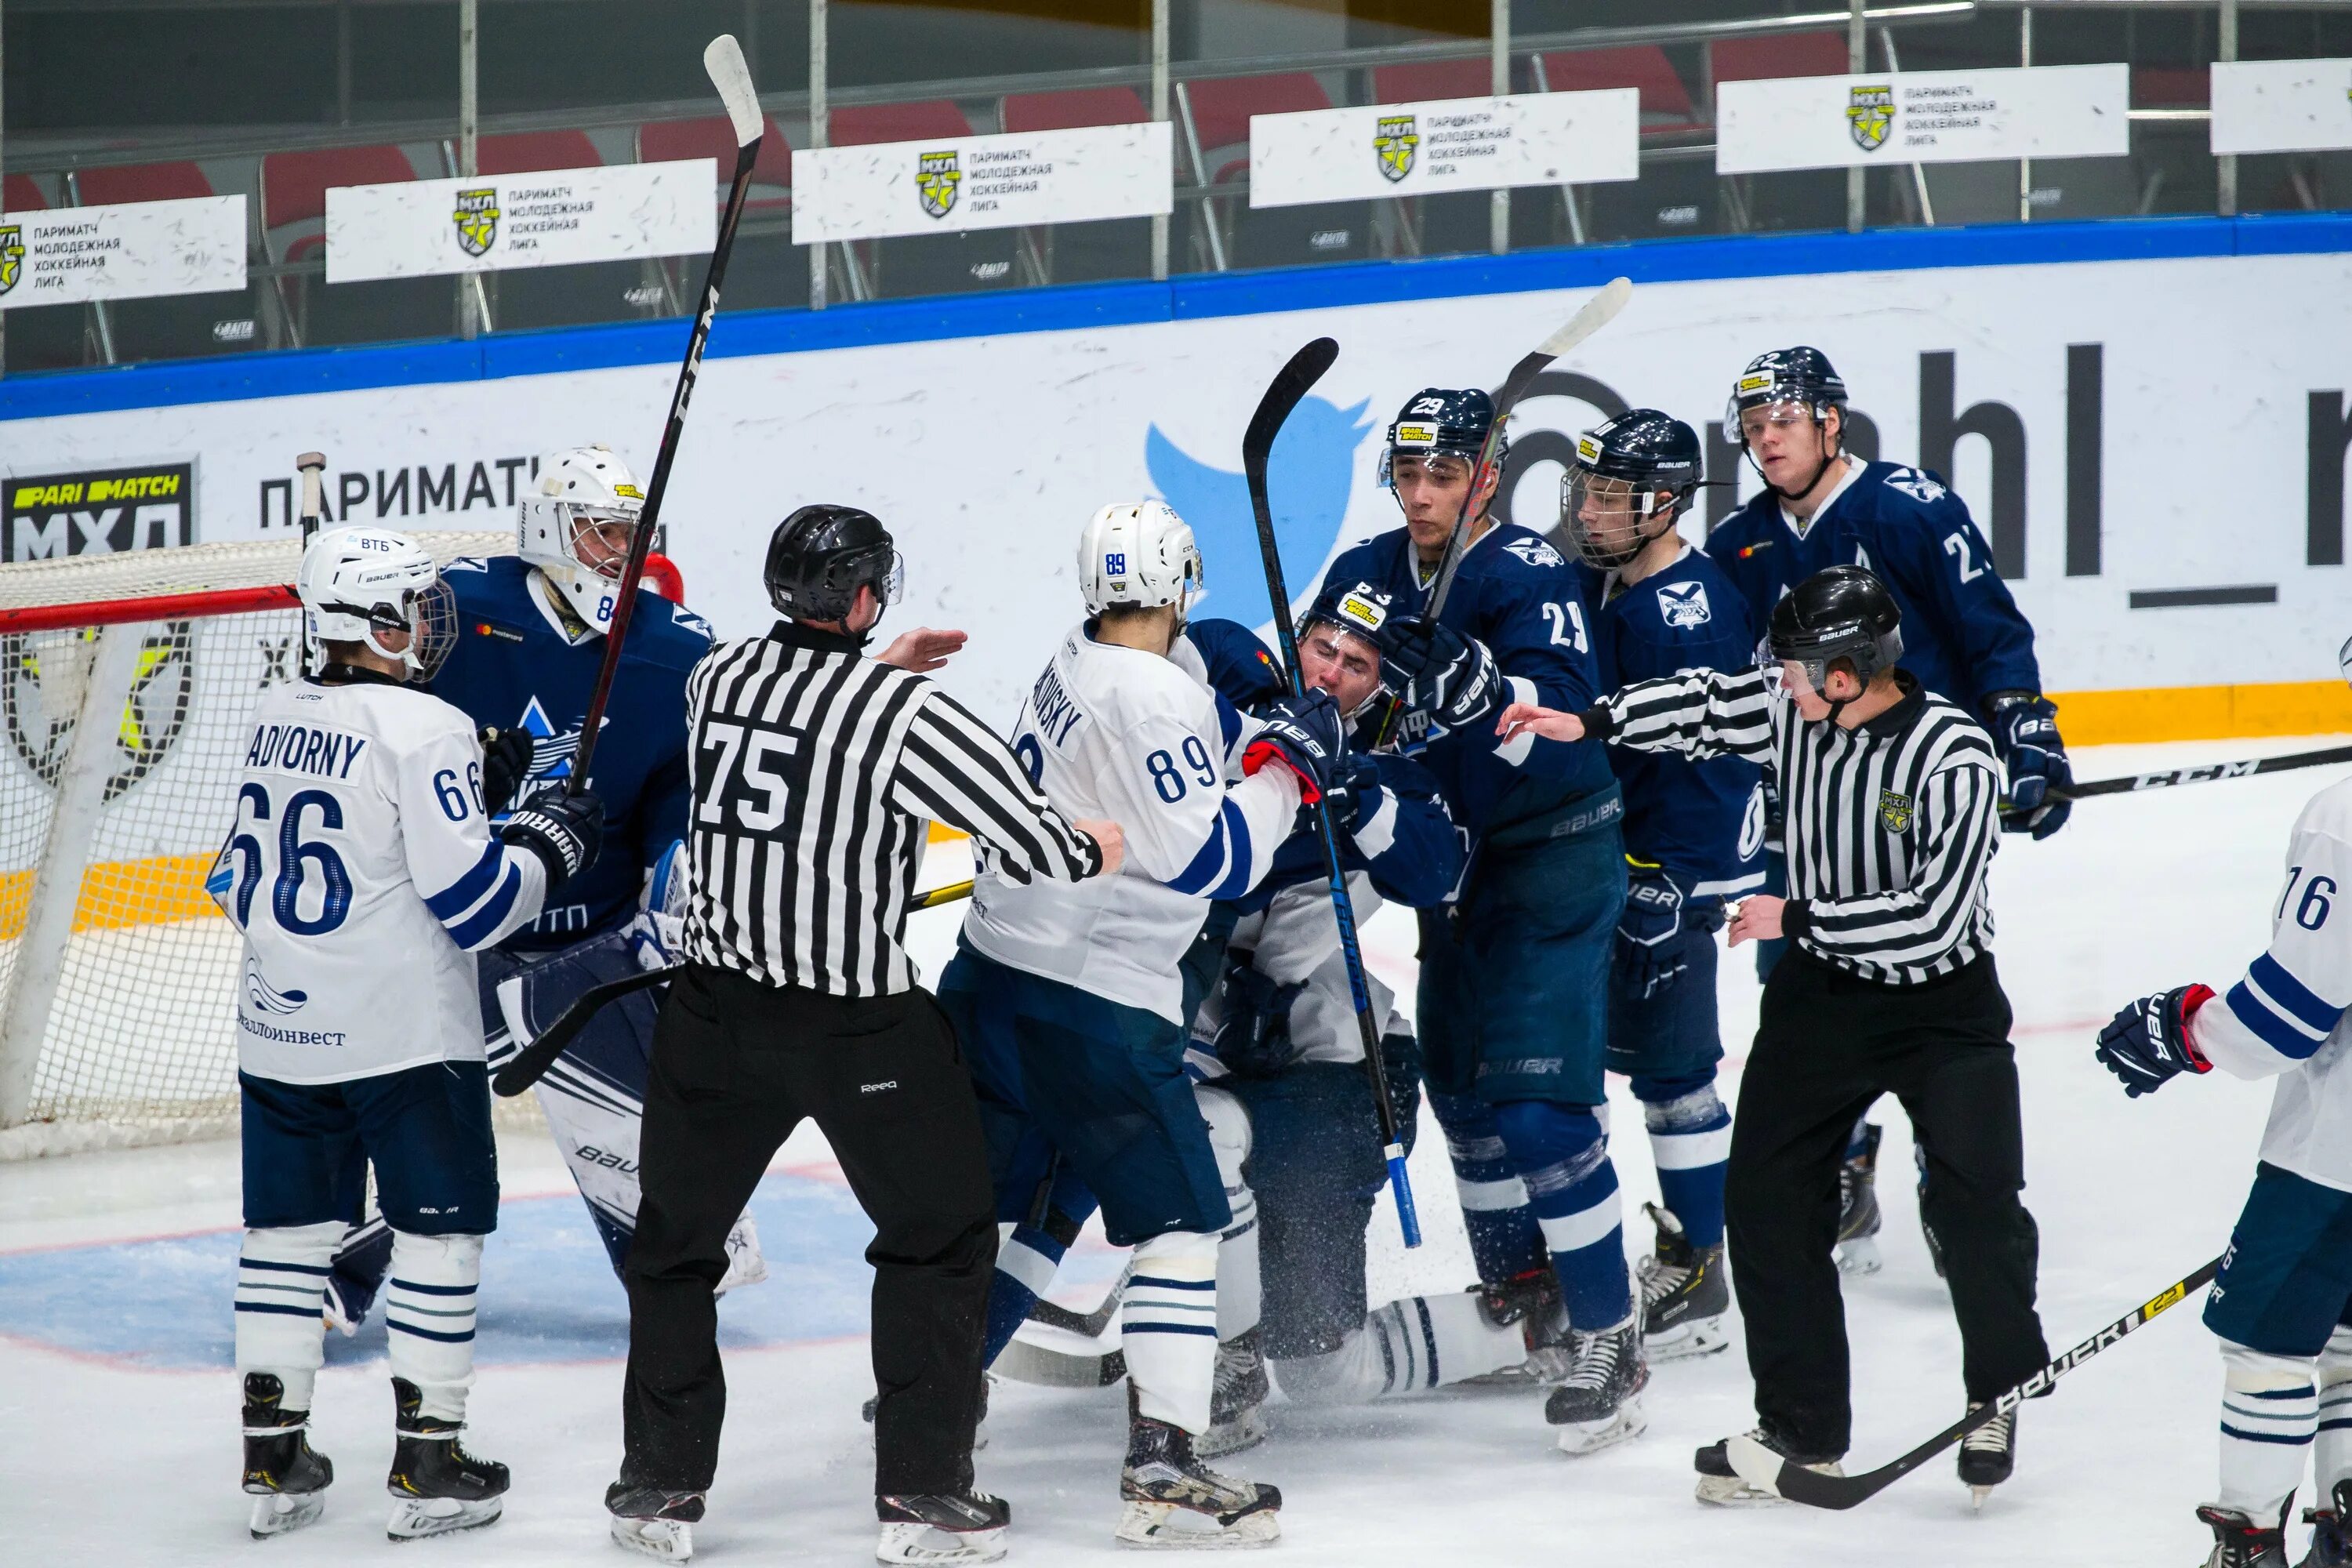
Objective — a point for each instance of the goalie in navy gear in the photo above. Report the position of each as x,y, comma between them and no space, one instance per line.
1513,968
363,874
1694,837
529,642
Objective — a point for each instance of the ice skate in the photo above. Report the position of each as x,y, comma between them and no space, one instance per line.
1722,1485
1533,1301
288,1480
942,1527
1235,1418
2331,1531
2240,1542
1857,1235
436,1487
1988,1456
1600,1403
654,1522
1175,1501
1684,1294
745,1263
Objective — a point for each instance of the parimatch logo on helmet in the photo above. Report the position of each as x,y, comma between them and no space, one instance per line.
1361,612
1869,115
12,254
936,179
1588,449
1395,140
477,218
1416,434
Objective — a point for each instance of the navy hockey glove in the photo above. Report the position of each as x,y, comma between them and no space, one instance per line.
2147,1043
1352,791
1649,957
1254,1021
506,762
564,830
1450,678
2025,728
1304,734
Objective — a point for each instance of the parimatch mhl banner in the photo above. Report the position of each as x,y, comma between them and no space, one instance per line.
92,512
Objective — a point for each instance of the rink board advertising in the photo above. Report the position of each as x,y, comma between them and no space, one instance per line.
1451,144
96,512
888,188
126,252
1922,116
476,223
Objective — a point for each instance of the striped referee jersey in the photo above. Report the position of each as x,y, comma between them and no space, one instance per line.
815,771
1889,827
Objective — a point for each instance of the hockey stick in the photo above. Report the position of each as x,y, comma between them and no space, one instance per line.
1093,1324
314,469
724,62
1761,1467
2205,772
1306,367
532,1063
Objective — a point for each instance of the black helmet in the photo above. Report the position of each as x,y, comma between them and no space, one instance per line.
1441,420
1800,375
821,555
1620,469
1356,607
1839,612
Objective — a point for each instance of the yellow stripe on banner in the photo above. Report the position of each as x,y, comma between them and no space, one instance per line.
2203,713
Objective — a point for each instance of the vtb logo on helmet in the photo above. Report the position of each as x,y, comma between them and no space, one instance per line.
362,584
1630,478
1442,422
577,530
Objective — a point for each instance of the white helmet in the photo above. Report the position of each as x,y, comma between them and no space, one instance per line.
357,583
1138,553
582,490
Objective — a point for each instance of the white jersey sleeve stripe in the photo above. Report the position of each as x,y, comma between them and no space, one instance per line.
1221,870
498,915
2279,987
463,894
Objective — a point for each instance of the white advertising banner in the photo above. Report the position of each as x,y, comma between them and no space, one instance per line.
1445,144
2052,396
484,223
2282,106
982,182
1922,117
127,251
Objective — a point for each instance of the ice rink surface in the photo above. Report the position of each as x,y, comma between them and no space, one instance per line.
119,1407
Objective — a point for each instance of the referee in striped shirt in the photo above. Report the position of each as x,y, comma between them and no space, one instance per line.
1893,798
815,771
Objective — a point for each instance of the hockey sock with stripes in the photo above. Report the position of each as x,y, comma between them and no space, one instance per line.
281,1282
2331,1457
428,1310
1504,1240
1239,1296
1027,1258
1168,1328
1405,1347
1690,1137
1563,1154
2270,1409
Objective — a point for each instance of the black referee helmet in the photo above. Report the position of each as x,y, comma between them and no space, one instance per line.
821,555
1838,612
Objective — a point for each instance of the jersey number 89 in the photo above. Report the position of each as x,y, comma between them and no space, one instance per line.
296,857
1167,781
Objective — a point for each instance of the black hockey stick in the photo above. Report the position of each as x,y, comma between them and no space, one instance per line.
1306,367
532,1063
1760,1467
724,61
1093,1324
2205,772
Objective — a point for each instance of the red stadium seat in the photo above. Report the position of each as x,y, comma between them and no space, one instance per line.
294,190
862,125
1665,102
2171,87
666,141
1023,111
1433,79
1221,107
1789,54
19,193
528,152
141,183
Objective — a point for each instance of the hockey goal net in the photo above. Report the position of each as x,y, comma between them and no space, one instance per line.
127,683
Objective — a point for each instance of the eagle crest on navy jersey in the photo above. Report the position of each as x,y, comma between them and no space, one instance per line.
1443,421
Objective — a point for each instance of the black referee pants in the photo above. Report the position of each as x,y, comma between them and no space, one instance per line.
1828,1044
736,1066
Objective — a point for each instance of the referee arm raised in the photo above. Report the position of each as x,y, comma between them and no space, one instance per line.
1892,822
815,771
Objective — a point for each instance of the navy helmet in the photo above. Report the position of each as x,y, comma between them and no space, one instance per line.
1444,422
1357,607
821,555
1629,481
1799,376
1838,612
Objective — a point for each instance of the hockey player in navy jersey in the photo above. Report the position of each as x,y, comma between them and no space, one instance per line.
1694,837
1964,638
1513,968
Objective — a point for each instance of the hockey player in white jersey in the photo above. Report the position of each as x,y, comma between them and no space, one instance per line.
363,874
2283,1303
1069,1002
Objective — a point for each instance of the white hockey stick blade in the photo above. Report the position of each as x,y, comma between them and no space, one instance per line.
724,60
1598,312
1758,1466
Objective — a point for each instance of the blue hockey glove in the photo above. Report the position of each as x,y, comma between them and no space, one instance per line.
1254,1022
1352,791
564,830
2025,728
2147,1043
1303,734
1450,678
1649,957
506,762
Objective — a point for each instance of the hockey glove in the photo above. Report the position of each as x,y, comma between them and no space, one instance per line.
2025,728
506,762
1303,734
1450,678
2147,1043
1254,1021
1352,791
658,936
1649,950
564,830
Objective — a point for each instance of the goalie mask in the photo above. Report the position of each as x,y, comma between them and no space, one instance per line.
578,529
366,584
1141,553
